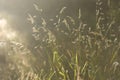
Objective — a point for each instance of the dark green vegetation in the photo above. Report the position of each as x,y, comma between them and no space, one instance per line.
69,47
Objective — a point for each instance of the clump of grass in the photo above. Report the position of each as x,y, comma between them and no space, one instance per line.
73,50
68,49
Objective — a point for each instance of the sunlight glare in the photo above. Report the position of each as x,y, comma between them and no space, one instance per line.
11,35
3,23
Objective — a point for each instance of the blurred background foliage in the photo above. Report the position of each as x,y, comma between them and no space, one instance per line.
79,41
